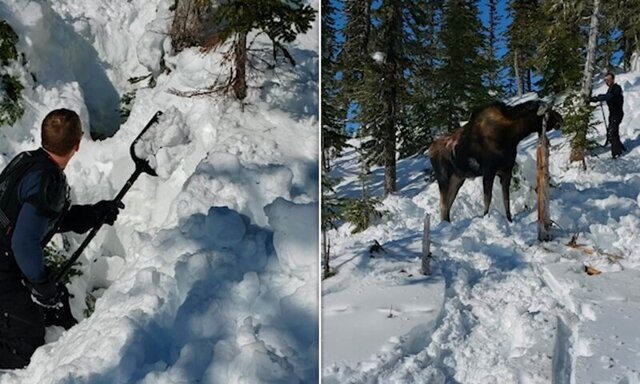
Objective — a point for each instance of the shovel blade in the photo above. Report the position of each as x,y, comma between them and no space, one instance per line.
142,165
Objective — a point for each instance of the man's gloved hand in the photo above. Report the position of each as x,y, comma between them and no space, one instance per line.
593,99
45,294
108,209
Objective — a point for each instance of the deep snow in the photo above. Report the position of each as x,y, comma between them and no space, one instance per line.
513,310
209,275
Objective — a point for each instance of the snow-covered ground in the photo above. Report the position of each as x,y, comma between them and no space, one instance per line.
210,274
500,307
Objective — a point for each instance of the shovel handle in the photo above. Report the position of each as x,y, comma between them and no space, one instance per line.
65,269
142,166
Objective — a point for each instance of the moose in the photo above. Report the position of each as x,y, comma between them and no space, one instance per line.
486,146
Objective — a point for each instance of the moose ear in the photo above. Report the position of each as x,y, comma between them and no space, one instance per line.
542,109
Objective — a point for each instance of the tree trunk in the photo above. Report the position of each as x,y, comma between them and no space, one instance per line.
516,69
577,152
587,77
390,94
187,27
239,82
390,176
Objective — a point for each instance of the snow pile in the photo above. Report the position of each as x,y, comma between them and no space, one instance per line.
209,274
513,310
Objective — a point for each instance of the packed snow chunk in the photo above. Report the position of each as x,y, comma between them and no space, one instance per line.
225,226
295,232
164,145
150,51
223,180
150,48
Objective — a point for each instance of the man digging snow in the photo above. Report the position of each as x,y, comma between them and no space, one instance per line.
34,204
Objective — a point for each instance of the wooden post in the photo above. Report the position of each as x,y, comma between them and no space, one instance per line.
425,269
542,178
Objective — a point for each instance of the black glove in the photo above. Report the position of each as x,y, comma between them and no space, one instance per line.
593,99
45,294
107,209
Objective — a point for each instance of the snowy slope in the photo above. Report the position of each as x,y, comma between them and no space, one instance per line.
514,310
210,273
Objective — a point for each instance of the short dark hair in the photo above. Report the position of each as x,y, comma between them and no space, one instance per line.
61,131
610,74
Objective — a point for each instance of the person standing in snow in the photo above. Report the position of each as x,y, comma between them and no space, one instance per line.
34,205
614,100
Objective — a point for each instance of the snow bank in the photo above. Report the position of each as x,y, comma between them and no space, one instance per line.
209,274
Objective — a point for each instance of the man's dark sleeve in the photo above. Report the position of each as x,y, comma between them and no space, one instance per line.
616,90
30,228
79,219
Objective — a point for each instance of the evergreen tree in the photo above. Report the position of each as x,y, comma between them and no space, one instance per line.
332,213
627,15
524,35
281,21
620,26
11,101
383,110
560,57
354,55
493,63
333,139
461,73
361,212
610,39
420,124
354,58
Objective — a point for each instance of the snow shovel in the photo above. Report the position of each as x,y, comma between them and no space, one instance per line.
142,166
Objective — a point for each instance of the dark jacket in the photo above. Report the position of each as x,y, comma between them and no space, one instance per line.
35,208
614,100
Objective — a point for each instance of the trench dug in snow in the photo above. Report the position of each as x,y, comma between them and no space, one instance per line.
205,290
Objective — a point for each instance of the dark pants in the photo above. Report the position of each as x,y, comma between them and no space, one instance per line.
21,325
614,135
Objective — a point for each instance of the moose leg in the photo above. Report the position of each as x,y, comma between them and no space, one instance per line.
487,183
443,185
454,186
505,181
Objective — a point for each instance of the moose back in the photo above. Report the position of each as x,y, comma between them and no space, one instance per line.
486,146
